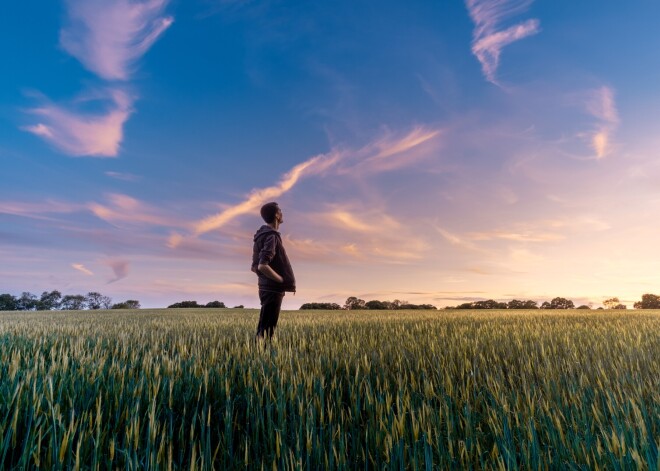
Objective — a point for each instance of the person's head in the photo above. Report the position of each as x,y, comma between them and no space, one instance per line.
271,212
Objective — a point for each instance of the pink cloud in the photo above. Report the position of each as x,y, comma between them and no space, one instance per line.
109,36
37,210
119,268
487,40
81,268
393,151
376,156
601,105
126,209
313,166
84,134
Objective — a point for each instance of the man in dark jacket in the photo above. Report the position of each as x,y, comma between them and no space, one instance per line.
272,266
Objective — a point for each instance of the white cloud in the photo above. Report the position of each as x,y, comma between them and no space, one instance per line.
109,36
79,133
487,40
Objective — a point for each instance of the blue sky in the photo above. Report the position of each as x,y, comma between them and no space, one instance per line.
436,152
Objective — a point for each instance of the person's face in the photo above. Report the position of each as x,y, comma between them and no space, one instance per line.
279,217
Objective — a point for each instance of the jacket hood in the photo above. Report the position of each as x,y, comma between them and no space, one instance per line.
263,230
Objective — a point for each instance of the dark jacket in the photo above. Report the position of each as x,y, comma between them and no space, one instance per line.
268,250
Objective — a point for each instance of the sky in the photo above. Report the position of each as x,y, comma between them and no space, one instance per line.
435,152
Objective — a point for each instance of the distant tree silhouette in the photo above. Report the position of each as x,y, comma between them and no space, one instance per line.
216,304
7,302
49,301
95,300
128,304
73,302
321,306
375,304
184,304
27,302
354,303
649,301
488,304
558,303
583,306
517,304
611,303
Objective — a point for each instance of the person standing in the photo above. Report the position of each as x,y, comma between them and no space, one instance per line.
272,266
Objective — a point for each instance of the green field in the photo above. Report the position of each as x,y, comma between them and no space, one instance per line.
184,389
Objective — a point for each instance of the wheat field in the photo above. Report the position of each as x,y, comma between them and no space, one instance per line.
188,389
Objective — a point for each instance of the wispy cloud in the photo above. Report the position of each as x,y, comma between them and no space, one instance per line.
340,161
517,236
313,166
367,221
80,133
119,268
109,36
81,268
126,209
391,151
488,40
601,105
38,210
127,177
456,240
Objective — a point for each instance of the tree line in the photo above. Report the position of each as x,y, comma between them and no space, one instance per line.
649,301
190,304
354,303
54,300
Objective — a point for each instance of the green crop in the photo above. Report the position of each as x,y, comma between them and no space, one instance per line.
188,389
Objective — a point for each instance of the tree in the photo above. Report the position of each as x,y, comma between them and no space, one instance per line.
620,306
518,304
354,303
240,306
321,306
216,304
489,304
184,304
611,303
49,301
375,304
27,302
583,306
7,302
129,304
561,303
96,300
649,301
73,302
465,306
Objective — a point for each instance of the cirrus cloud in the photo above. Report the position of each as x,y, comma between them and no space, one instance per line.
386,153
78,133
109,36
488,41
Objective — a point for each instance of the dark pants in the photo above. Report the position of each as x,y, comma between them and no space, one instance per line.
271,302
